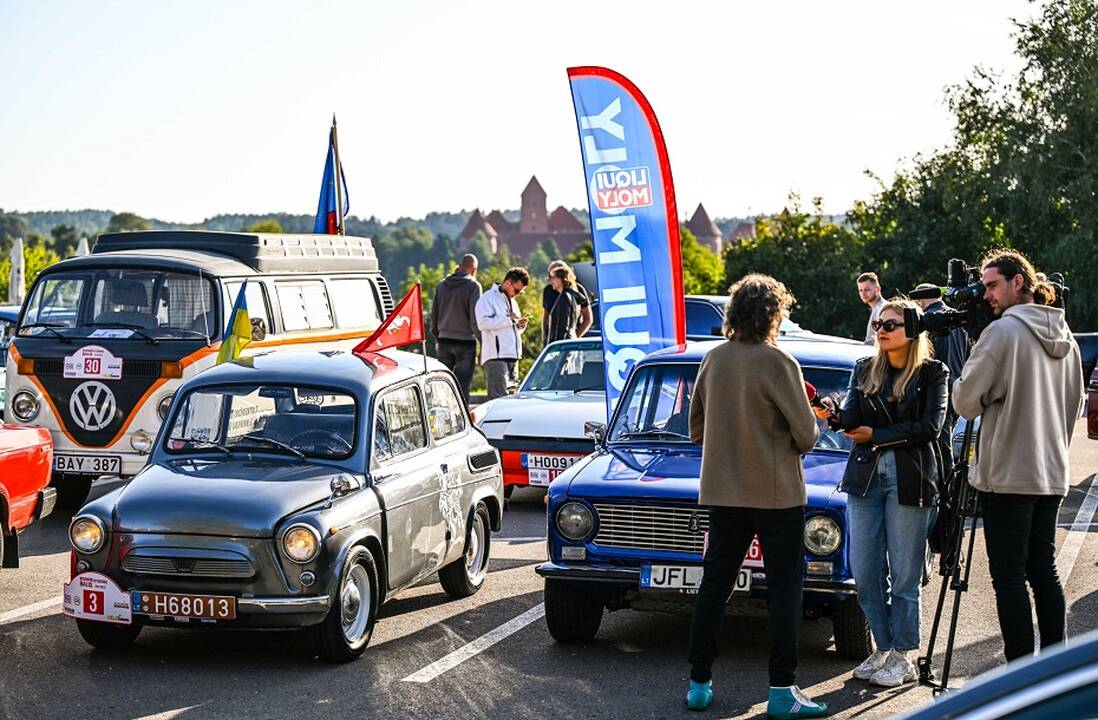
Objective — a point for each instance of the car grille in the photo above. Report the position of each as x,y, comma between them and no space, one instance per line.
651,527
194,567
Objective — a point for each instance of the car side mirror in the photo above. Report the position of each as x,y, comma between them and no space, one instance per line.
594,430
344,484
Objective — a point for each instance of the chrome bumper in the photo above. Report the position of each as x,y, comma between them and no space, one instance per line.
284,606
603,574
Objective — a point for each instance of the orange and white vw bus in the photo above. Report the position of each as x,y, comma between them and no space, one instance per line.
104,340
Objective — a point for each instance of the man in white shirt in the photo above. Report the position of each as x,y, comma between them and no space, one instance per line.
870,291
501,325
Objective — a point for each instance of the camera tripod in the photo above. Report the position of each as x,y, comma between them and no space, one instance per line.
954,569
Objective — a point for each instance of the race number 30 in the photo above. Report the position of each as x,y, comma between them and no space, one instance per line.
92,366
93,602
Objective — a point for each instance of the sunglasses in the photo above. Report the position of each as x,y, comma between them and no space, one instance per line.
888,325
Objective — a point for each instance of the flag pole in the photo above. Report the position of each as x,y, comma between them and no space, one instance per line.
338,178
423,340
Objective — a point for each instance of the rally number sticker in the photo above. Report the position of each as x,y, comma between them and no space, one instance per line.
94,596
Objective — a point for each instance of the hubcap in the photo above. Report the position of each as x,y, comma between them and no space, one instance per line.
476,559
354,601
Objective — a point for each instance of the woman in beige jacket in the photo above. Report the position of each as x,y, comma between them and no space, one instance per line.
750,414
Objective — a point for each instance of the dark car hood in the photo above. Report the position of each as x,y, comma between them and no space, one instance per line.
672,475
232,498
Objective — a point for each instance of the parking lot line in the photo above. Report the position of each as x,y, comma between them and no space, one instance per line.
13,615
477,646
1069,551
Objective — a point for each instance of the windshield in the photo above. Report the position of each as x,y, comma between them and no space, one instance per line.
656,405
122,303
569,368
293,420
833,382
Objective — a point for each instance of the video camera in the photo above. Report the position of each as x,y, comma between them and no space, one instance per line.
963,293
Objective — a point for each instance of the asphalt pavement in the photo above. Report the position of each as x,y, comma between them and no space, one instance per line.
488,656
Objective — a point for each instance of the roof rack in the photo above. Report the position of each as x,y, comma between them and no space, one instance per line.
261,251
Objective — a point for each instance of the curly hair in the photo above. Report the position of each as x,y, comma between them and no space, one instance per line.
757,303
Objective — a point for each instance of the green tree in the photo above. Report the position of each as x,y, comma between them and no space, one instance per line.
584,252
11,227
537,262
479,246
817,260
1021,170
265,226
701,269
37,256
550,248
127,222
65,240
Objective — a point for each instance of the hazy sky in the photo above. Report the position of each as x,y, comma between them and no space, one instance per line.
182,110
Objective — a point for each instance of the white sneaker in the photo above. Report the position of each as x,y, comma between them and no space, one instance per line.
897,670
870,665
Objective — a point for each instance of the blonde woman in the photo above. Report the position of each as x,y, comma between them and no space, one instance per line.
893,411
563,317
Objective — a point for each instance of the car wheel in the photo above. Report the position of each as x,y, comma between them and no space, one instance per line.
852,638
72,491
466,575
346,630
108,636
573,615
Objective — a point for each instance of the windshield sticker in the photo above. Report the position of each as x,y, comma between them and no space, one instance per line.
120,333
93,361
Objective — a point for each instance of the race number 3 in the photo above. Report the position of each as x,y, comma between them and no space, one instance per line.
93,602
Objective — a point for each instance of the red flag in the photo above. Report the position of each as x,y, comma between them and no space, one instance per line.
404,326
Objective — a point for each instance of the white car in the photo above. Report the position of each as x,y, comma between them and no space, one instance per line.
539,431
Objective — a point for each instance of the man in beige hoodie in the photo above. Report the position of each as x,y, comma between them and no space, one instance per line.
1024,379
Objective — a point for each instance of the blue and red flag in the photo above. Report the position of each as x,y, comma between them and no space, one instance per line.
328,219
634,223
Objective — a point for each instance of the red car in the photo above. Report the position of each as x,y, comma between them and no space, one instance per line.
1092,407
26,456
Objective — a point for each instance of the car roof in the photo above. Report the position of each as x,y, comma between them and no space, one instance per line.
338,370
213,264
9,312
807,352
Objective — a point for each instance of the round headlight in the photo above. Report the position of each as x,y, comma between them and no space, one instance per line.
87,533
25,405
141,441
574,520
301,543
822,535
162,407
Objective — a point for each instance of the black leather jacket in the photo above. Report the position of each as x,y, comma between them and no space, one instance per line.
912,435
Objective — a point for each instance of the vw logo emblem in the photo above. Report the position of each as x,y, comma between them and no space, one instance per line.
695,524
92,406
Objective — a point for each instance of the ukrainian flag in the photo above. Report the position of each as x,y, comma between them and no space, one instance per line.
238,332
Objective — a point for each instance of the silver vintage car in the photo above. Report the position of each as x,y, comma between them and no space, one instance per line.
292,490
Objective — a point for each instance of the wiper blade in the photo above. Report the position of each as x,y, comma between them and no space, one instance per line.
205,443
600,386
52,327
651,432
127,326
272,441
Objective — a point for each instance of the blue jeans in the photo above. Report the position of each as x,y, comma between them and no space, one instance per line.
887,552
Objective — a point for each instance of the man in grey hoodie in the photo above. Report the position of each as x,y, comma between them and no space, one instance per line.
1023,379
454,323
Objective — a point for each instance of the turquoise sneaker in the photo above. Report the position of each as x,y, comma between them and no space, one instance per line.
700,695
789,703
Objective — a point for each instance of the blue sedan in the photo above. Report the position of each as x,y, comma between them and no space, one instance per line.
625,527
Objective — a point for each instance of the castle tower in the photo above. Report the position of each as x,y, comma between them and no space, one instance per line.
534,216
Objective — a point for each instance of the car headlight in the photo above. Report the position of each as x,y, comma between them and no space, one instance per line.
822,535
301,543
574,520
25,405
87,534
141,441
163,406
